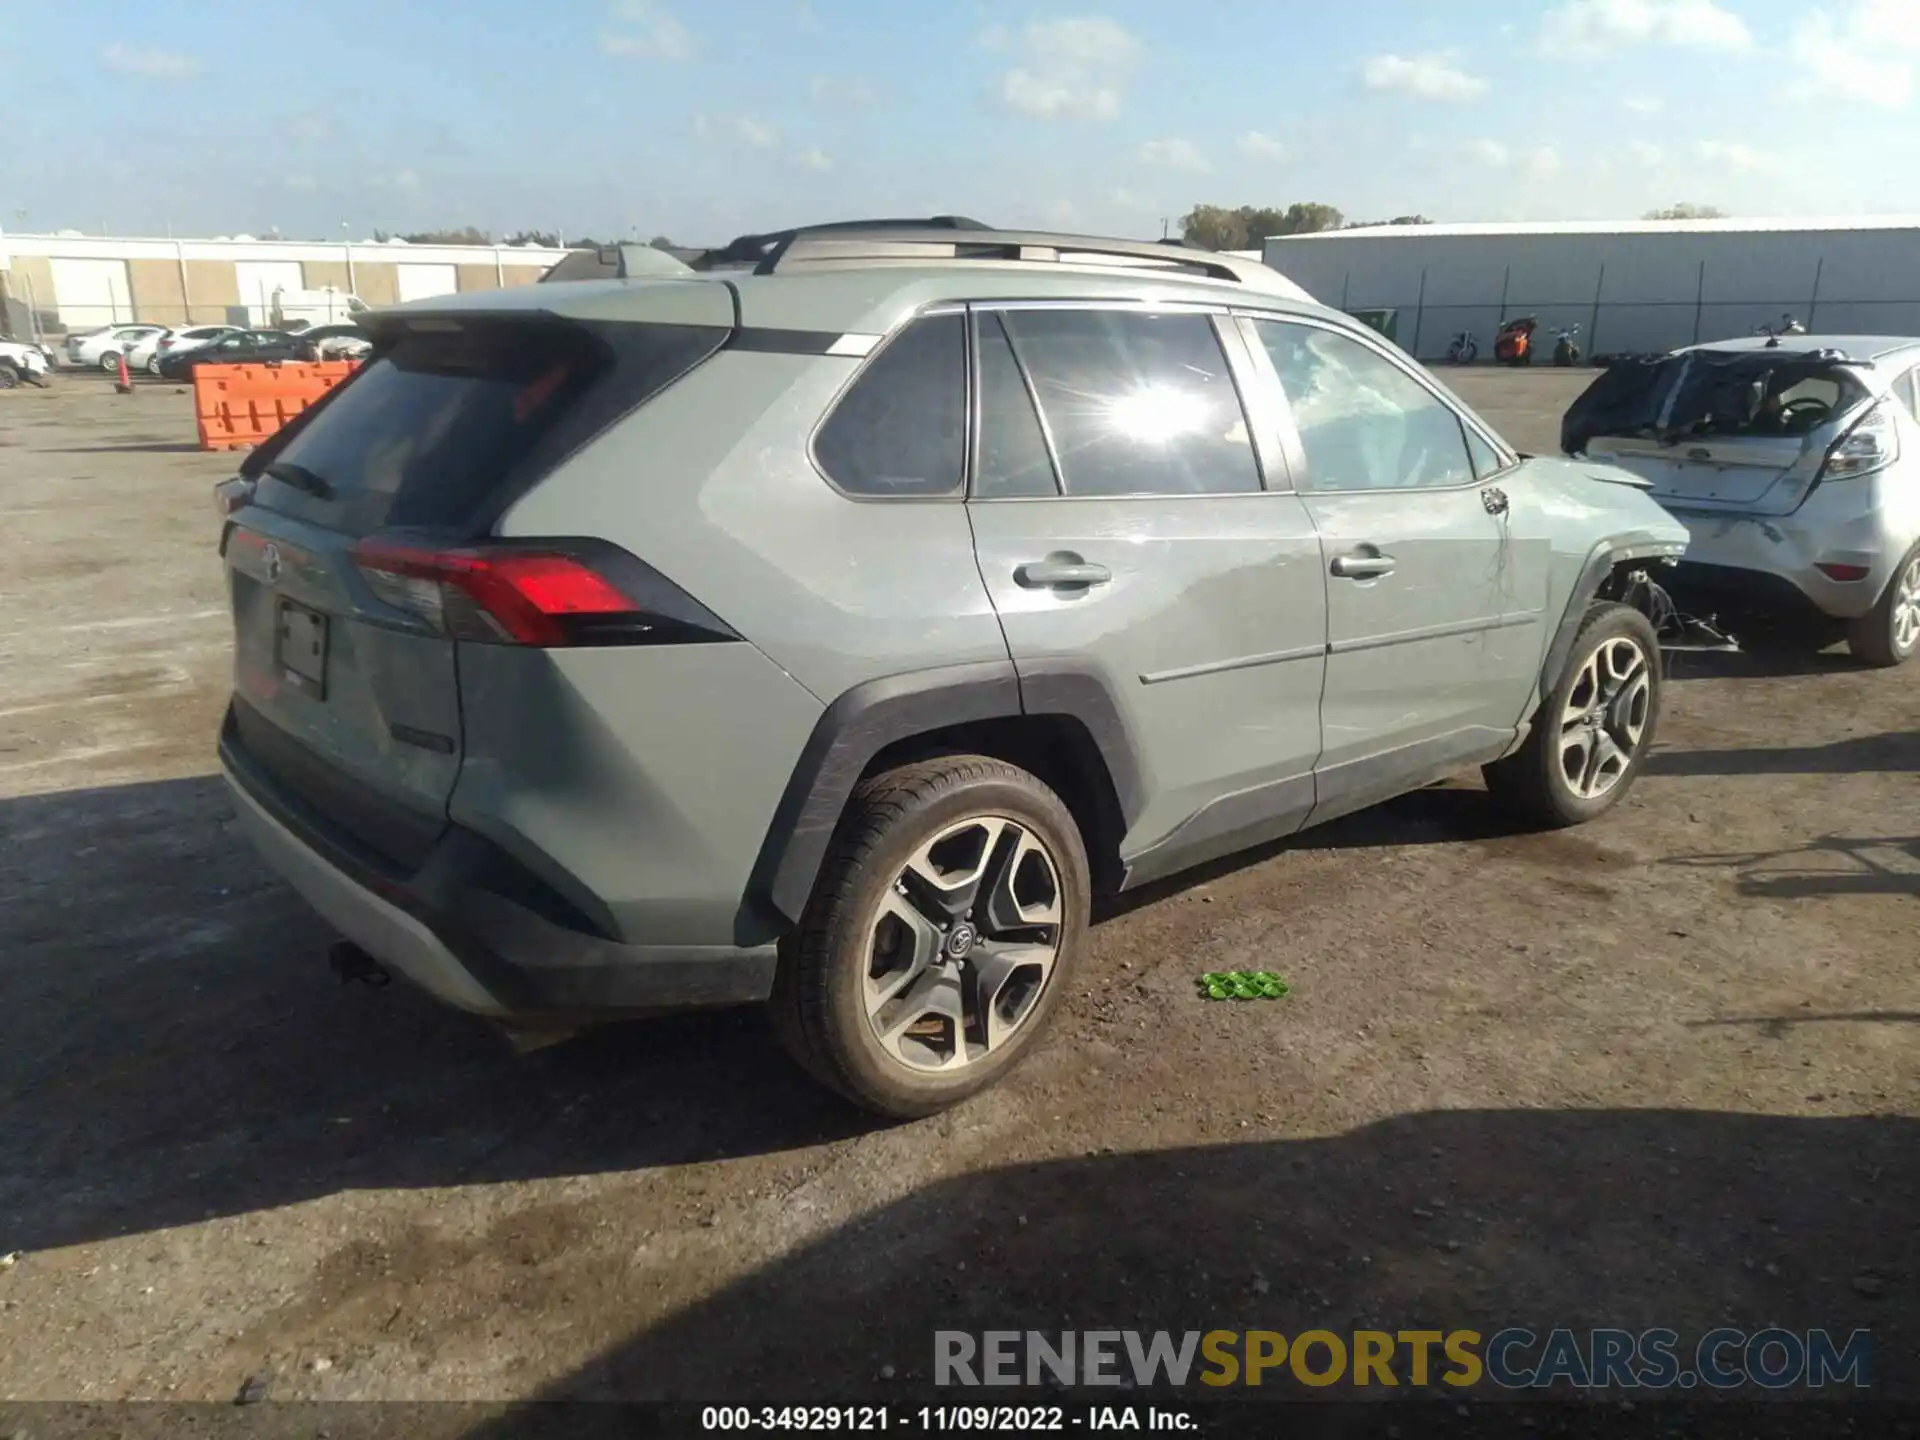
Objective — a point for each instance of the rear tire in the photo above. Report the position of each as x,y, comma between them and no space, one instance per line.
1591,735
9,375
1889,634
110,362
907,990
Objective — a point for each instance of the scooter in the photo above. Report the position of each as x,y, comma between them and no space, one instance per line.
1464,349
1565,350
1513,344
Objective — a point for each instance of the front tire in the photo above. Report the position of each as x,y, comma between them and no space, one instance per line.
1889,634
1591,735
940,936
9,375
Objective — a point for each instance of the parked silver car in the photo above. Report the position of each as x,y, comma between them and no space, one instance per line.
1794,462
827,628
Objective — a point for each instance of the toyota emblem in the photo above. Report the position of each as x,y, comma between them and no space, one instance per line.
270,557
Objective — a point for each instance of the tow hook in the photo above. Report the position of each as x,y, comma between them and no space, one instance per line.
351,963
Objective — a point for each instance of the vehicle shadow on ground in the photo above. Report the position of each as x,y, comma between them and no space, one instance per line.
1442,1220
173,1046
1762,664
1895,750
1777,1027
1831,865
142,447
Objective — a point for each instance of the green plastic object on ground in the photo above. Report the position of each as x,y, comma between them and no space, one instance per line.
1243,985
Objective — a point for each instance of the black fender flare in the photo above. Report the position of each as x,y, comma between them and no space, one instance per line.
870,717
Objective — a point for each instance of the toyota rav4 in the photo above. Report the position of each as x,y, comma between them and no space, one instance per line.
828,626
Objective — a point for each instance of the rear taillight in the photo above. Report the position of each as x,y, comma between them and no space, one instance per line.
1870,446
585,593
1846,574
230,495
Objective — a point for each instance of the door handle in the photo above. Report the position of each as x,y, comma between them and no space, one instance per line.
1362,565
1061,572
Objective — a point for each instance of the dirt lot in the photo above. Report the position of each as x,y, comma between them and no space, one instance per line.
1659,1071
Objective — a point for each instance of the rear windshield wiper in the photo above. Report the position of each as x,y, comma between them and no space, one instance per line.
299,477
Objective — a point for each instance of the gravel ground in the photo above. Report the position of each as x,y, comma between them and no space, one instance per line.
1661,1070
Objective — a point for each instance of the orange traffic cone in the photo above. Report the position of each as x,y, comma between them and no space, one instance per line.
125,383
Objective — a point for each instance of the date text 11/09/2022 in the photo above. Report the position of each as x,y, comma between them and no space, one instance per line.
983,1419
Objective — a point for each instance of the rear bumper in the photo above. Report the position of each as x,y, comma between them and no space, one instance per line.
1770,563
469,946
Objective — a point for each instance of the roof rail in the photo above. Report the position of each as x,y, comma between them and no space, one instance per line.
891,242
752,249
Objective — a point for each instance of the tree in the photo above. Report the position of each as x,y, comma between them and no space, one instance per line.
1214,227
533,237
1396,220
662,242
1686,210
1218,227
468,235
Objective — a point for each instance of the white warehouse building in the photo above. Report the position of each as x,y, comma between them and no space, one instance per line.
1631,287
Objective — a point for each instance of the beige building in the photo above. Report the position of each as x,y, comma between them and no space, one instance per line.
55,283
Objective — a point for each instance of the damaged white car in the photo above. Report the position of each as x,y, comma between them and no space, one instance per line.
1794,462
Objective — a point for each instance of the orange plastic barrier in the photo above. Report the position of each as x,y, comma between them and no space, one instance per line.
238,406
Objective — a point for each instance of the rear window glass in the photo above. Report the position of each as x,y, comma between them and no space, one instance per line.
1750,395
426,432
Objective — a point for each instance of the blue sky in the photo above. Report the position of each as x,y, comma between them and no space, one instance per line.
702,121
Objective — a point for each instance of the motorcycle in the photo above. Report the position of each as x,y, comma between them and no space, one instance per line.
1565,351
1513,344
1463,349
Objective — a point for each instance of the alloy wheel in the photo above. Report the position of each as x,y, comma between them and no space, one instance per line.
1605,717
1906,608
964,944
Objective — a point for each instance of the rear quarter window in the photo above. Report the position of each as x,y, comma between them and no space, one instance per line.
900,430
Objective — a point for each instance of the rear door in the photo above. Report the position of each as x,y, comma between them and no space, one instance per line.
1432,649
349,700
1122,527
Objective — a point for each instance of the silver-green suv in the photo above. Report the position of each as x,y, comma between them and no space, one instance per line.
827,626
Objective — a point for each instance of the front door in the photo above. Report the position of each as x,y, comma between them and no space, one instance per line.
1126,537
1430,655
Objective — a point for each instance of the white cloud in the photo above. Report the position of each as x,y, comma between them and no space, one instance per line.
404,180
1426,77
1258,146
742,129
299,181
814,160
1867,51
1730,153
1601,27
847,92
1172,155
1540,162
1068,69
1062,212
1643,104
153,64
1646,154
1132,199
644,30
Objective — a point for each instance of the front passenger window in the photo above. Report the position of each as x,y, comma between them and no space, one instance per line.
1364,423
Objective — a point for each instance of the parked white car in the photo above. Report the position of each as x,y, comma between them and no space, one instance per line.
297,310
105,346
146,355
20,362
1794,463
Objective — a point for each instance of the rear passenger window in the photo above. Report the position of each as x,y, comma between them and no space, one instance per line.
900,430
1364,423
1136,403
1013,449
